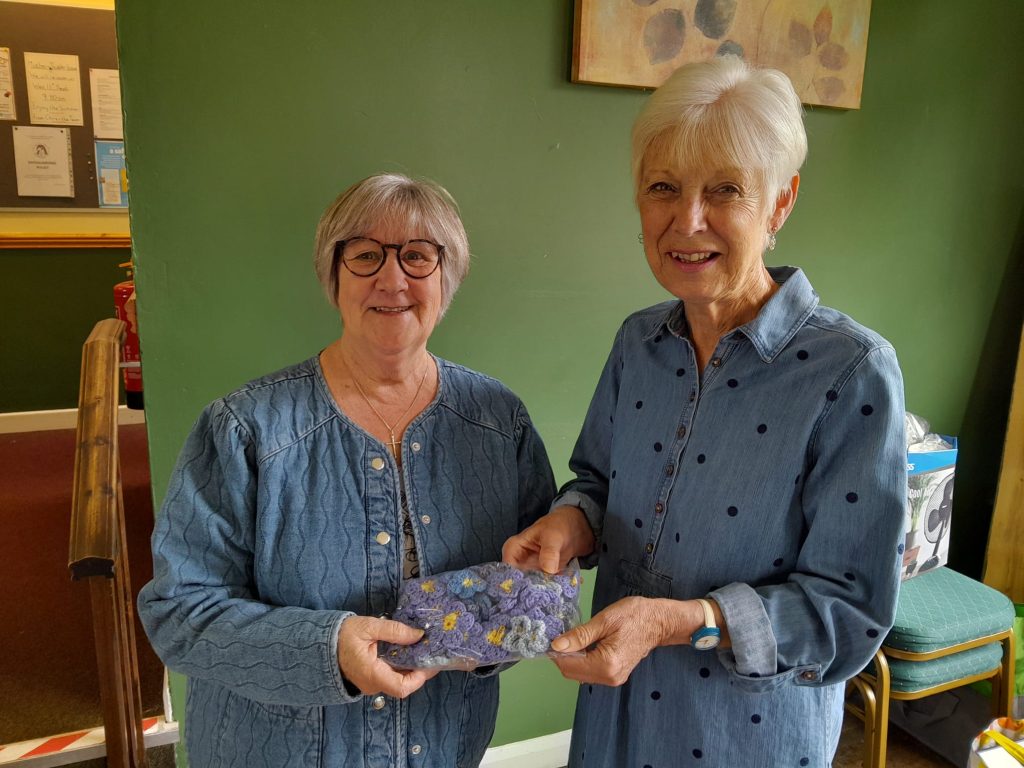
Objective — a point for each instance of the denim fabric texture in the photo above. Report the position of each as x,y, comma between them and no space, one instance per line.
775,482
282,519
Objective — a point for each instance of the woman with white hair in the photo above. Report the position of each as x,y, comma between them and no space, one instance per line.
301,501
740,475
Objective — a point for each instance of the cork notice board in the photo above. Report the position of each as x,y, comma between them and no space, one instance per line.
86,33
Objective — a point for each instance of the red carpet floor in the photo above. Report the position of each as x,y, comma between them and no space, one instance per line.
48,681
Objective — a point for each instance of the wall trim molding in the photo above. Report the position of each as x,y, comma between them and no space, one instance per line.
63,418
551,751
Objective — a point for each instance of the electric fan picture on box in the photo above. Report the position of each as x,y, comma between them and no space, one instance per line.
931,465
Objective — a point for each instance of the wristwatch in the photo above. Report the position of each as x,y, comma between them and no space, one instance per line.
709,636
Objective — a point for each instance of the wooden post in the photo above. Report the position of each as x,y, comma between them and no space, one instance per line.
1004,558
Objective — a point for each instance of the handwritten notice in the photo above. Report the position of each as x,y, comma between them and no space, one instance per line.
7,110
54,89
42,161
106,104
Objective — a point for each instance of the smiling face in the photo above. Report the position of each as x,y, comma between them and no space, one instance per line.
390,312
705,230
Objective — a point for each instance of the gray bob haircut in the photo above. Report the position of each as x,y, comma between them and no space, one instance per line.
724,113
390,199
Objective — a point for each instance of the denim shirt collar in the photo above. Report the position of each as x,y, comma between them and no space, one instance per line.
777,322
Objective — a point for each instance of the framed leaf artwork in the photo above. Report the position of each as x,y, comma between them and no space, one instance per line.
820,44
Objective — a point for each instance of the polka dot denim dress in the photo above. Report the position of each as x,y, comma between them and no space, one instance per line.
775,482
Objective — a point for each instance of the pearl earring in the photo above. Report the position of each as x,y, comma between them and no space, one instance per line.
640,238
771,241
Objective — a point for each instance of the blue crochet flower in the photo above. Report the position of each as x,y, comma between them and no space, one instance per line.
465,583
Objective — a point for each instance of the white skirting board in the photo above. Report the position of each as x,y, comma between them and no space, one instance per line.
65,418
551,751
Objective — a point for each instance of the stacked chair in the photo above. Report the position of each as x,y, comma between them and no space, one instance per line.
950,630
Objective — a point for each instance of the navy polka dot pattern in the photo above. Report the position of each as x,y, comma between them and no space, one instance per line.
849,576
758,453
639,404
872,633
638,523
655,695
852,497
805,761
899,548
867,410
614,472
657,447
698,754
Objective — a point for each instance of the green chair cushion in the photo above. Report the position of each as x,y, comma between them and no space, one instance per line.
910,676
942,608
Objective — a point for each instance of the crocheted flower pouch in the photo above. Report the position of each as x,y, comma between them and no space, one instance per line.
482,615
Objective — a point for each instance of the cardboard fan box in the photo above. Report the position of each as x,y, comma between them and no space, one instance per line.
929,509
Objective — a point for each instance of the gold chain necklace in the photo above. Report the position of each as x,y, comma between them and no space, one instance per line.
391,430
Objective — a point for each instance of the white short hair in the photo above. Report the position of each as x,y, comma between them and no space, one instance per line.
724,112
387,199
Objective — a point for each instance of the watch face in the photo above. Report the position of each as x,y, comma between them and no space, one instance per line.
706,638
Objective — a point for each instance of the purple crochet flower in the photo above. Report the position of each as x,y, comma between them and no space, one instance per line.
570,584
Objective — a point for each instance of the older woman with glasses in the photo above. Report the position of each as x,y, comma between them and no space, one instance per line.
740,475
301,501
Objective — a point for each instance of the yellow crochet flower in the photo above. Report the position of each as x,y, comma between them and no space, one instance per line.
450,621
428,586
506,585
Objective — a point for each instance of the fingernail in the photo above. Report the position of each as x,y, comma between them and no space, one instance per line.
559,644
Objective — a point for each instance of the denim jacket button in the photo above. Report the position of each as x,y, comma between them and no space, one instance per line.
716,362
378,702
808,675
416,749
383,538
425,519
416,447
377,463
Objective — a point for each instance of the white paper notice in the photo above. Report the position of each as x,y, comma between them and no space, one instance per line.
42,161
7,110
106,104
54,89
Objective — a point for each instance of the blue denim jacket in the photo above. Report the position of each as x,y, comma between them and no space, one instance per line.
775,482
282,519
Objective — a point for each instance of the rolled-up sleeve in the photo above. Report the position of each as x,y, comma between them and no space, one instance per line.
826,620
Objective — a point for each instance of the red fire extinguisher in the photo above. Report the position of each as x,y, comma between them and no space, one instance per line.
131,360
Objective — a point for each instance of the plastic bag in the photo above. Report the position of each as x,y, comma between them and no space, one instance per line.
919,437
482,615
1002,743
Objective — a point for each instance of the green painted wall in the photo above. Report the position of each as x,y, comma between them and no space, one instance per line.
49,302
244,119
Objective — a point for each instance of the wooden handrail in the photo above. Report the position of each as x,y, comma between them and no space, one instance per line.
94,520
96,551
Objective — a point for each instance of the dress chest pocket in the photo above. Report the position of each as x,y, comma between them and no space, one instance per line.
636,580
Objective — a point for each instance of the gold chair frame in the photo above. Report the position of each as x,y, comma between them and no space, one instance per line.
875,690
